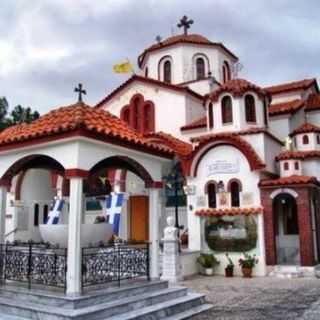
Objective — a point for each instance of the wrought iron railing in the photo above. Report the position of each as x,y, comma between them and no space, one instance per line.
114,262
34,263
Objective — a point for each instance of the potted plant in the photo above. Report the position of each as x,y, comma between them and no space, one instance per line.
207,262
247,264
228,270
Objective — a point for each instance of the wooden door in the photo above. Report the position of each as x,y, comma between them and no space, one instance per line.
139,218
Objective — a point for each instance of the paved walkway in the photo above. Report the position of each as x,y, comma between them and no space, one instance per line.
258,298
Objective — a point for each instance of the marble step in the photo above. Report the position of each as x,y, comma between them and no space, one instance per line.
94,312
164,310
190,313
58,299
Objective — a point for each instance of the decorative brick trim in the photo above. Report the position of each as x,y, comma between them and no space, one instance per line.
154,184
72,173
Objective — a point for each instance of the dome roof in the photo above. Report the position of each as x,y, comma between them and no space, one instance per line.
183,38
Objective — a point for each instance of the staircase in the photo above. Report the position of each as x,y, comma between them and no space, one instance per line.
288,272
144,300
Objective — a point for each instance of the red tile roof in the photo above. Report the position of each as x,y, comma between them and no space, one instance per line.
313,102
289,107
292,86
292,180
209,212
305,128
237,87
151,81
197,124
235,140
299,155
77,117
180,147
243,133
182,38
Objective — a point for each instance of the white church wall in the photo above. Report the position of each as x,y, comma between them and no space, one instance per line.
313,117
312,142
286,96
297,120
290,167
311,167
194,110
188,134
201,86
280,126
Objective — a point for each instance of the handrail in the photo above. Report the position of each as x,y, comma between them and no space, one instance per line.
10,232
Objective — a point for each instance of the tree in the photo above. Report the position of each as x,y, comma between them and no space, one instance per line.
4,105
20,115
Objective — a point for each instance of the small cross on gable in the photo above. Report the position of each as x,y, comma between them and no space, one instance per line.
81,91
185,23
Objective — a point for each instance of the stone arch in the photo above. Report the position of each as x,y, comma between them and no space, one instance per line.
123,162
206,64
283,190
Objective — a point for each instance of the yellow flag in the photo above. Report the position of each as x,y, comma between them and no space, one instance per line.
125,67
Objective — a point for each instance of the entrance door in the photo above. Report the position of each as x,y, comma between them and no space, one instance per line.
139,218
287,229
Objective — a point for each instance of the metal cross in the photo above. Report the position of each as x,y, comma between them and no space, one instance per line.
185,24
80,91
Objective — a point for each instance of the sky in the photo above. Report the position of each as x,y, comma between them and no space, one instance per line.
48,46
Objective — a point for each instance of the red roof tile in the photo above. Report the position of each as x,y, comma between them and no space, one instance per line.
313,102
292,180
289,107
197,124
182,38
243,133
151,81
237,87
299,155
78,117
292,86
305,128
209,212
178,146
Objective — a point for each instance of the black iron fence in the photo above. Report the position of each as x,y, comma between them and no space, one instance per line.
33,263
39,263
114,262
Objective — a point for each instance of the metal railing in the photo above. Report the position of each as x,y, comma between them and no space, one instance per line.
33,263
114,262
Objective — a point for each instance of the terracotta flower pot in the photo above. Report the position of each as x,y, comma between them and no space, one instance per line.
246,272
228,272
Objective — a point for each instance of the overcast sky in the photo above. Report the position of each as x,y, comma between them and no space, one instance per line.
48,46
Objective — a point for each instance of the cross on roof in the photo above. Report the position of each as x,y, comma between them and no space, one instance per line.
80,91
185,24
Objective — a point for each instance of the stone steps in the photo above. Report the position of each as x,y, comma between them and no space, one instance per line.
150,300
93,297
286,272
188,314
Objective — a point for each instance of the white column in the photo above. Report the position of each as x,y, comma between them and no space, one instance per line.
154,232
261,244
3,208
194,225
74,247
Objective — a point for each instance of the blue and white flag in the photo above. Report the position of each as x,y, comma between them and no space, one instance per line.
114,203
55,210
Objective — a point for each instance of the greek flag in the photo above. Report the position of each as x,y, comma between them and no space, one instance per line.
55,210
113,210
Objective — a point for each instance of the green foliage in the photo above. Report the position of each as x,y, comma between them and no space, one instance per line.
18,115
230,264
207,260
249,261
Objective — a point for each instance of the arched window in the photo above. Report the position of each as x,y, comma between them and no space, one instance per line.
318,139
210,115
125,114
200,68
146,72
45,213
211,191
36,214
135,113
250,108
296,165
305,139
226,73
235,193
226,109
167,71
286,166
148,117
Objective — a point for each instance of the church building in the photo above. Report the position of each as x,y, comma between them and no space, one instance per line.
246,156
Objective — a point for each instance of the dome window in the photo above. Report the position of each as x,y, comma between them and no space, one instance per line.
250,108
226,110
200,67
